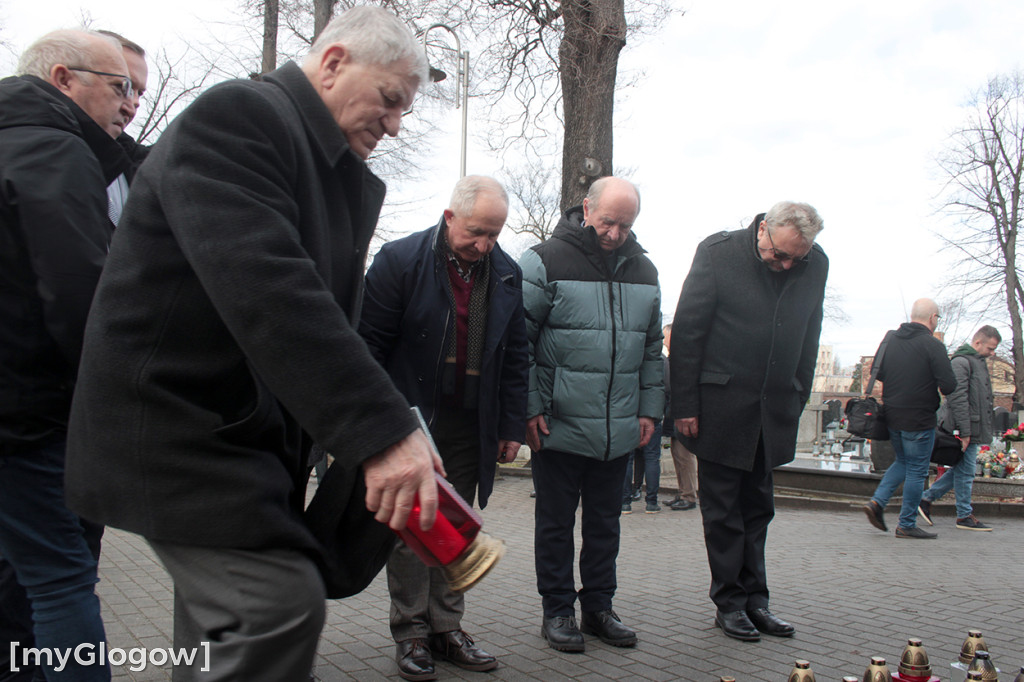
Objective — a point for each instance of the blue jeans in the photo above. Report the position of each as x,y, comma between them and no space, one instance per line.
913,454
960,479
652,468
46,544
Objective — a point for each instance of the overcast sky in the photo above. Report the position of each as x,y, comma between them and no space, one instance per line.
741,103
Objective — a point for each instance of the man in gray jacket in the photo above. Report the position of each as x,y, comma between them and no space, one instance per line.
593,320
967,412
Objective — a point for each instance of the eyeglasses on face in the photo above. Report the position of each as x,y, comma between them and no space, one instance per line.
125,87
781,255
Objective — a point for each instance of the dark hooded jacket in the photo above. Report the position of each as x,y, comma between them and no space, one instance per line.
914,369
55,165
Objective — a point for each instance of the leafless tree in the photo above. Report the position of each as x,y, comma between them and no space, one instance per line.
557,61
834,307
173,88
984,168
533,197
271,12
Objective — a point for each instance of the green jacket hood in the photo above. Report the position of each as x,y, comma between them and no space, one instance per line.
965,349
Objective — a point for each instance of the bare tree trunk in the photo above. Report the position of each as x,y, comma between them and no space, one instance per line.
985,166
270,16
595,33
323,11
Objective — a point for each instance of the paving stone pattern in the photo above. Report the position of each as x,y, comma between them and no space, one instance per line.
851,591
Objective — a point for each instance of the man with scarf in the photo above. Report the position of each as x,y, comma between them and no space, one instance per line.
443,314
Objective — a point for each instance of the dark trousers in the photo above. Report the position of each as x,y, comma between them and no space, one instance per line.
421,601
737,507
15,626
259,612
645,463
562,481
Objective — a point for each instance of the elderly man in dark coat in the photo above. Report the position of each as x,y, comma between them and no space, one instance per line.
744,346
222,342
444,316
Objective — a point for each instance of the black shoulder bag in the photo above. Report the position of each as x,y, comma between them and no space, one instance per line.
865,416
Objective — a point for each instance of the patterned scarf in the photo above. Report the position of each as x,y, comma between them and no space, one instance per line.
476,329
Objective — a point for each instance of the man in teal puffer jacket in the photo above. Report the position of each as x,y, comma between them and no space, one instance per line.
593,318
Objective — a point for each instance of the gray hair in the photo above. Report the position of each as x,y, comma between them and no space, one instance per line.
469,188
598,186
373,36
68,46
802,217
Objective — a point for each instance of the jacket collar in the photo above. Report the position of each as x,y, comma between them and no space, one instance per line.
34,102
322,127
571,229
502,266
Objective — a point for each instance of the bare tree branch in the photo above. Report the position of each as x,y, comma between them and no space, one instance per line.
984,169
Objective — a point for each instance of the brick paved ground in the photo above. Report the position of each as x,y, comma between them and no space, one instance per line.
851,591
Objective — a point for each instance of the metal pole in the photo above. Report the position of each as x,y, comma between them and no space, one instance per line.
461,81
464,75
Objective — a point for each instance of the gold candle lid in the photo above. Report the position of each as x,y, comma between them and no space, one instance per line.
473,564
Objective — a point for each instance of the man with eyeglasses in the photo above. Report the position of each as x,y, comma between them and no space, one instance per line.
58,124
742,356
222,343
135,88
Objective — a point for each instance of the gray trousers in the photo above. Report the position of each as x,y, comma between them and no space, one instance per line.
260,612
421,602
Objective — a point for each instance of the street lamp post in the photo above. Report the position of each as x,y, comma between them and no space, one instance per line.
461,82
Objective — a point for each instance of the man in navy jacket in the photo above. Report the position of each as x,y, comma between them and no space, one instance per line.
443,314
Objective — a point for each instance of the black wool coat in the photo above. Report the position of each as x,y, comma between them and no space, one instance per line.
222,336
744,347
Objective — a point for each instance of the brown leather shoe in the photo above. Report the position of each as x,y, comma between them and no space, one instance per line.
875,515
458,648
414,660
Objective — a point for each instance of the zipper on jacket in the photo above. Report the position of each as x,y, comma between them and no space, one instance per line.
611,374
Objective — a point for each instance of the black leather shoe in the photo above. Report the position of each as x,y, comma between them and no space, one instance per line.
607,627
768,623
414,660
735,624
562,634
457,647
682,505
